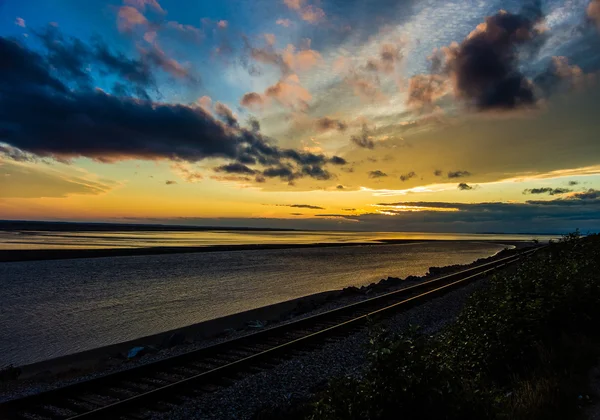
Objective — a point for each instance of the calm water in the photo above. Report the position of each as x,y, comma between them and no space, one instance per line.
46,240
53,308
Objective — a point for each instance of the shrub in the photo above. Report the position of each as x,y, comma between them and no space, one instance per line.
9,373
517,350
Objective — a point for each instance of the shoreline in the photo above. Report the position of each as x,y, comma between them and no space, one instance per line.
24,255
96,362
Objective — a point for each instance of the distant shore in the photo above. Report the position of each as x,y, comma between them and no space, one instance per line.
30,225
21,255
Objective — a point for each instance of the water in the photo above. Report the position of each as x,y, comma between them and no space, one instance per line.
54,308
97,240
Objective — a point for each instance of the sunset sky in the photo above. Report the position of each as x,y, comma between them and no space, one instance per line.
411,115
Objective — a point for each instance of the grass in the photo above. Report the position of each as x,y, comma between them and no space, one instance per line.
520,349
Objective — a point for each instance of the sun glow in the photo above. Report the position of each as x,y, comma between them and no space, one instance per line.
397,209
421,189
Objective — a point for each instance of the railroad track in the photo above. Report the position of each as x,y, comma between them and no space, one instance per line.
137,392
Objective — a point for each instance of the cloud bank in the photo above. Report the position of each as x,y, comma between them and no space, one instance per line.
50,109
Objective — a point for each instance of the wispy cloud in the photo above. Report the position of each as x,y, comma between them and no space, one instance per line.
307,12
458,174
300,206
377,174
547,190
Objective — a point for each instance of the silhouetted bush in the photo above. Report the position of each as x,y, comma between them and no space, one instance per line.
9,373
519,349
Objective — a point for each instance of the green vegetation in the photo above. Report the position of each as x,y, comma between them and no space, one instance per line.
520,349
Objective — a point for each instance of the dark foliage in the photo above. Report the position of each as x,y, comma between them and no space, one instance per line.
520,349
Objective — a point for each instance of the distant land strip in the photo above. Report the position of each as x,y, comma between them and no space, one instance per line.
19,255
15,255
25,225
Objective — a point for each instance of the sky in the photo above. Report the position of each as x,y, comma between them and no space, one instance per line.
411,115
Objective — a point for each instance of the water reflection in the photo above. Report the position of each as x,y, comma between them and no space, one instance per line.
56,240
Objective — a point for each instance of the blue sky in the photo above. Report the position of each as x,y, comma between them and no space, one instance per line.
230,108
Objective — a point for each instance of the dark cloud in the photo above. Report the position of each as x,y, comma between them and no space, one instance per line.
561,215
169,182
42,116
339,187
485,67
254,124
70,56
104,127
336,160
296,214
235,168
246,159
316,172
436,204
458,174
327,123
72,59
23,67
407,176
590,194
437,172
464,187
231,178
546,190
331,215
377,174
589,198
304,158
363,139
573,183
225,113
351,209
136,72
301,206
282,172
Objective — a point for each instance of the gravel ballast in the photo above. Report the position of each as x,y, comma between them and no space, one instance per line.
299,377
